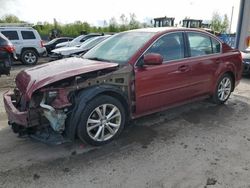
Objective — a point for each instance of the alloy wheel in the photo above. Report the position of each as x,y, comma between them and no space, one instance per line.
224,88
30,58
104,122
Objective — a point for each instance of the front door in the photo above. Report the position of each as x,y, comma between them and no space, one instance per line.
163,85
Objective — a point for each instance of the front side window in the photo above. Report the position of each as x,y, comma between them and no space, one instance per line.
28,35
170,47
120,47
11,35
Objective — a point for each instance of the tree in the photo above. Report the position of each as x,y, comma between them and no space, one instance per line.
219,25
124,23
133,23
10,18
113,26
225,24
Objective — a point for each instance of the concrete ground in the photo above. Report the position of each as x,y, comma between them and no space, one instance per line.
193,146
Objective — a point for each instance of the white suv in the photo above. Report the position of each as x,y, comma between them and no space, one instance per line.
27,42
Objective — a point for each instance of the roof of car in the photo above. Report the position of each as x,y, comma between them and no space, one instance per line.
14,28
161,29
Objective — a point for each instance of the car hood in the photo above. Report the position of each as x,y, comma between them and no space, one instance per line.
66,50
32,79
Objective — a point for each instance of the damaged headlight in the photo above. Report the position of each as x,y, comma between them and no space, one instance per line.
52,94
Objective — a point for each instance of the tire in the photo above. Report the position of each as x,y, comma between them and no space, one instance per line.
223,89
97,128
29,57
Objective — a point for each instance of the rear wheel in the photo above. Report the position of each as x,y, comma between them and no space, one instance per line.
29,57
223,89
101,121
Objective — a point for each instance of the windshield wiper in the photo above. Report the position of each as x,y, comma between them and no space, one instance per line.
98,59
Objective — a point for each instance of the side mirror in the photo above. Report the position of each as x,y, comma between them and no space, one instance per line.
153,59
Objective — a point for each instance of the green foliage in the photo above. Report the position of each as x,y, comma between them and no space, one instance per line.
10,18
218,24
78,27
133,23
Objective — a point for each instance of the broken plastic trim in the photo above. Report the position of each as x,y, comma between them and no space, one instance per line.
55,117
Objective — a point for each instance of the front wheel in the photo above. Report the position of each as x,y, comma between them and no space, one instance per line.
223,89
29,57
101,121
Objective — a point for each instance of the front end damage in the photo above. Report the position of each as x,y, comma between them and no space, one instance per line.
45,116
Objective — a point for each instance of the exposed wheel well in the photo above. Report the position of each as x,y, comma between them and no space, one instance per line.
119,97
84,97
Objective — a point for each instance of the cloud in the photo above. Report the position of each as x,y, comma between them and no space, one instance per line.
9,7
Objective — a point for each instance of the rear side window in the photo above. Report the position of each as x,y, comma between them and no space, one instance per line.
199,44
28,35
11,35
216,46
202,45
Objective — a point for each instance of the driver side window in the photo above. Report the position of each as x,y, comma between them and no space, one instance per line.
169,46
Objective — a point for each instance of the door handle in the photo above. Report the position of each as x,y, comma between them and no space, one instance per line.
217,61
183,68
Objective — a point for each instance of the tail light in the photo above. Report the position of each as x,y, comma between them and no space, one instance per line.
8,48
42,44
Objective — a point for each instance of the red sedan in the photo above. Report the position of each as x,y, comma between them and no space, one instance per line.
131,74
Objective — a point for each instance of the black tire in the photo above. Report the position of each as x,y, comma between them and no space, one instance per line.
85,130
217,97
29,57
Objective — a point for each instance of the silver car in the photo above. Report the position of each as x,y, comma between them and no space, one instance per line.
27,41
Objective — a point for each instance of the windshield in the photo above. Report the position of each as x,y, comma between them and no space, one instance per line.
86,42
92,42
77,39
52,41
120,47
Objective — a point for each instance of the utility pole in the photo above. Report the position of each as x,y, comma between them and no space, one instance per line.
231,20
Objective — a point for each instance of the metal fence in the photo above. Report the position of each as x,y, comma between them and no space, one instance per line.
229,39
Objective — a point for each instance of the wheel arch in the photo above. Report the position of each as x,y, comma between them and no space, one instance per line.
84,96
29,48
233,78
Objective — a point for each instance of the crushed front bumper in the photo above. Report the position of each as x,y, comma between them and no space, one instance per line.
14,115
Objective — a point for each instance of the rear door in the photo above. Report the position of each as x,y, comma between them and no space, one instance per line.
204,59
29,39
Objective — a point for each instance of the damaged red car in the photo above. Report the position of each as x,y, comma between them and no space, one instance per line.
129,75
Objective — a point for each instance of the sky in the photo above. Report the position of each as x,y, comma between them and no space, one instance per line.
95,12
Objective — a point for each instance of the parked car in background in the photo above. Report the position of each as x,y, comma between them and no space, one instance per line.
7,54
246,62
76,50
129,75
78,40
27,42
52,44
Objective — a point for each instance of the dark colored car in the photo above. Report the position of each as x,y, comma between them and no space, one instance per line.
7,53
52,44
127,76
246,62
